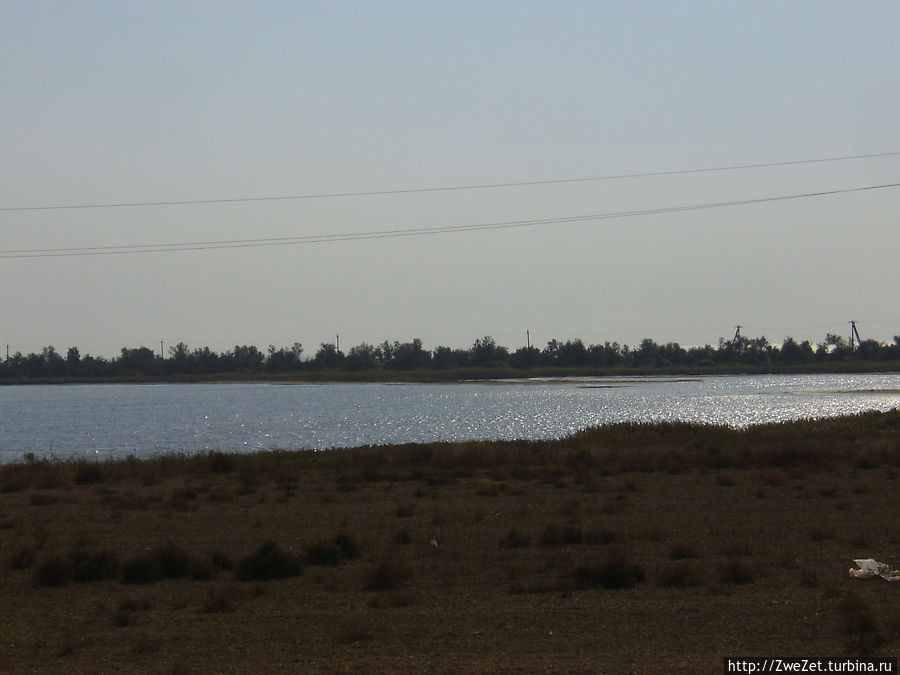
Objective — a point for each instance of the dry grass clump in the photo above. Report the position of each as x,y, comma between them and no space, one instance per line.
77,566
615,572
554,536
602,534
736,570
386,574
268,562
166,561
332,551
821,533
515,539
23,559
683,551
679,574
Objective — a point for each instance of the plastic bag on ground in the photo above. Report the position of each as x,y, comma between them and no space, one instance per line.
869,567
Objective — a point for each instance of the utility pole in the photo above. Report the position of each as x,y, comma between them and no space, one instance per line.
737,335
528,338
161,353
854,334
337,343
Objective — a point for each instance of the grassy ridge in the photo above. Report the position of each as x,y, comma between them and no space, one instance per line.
631,446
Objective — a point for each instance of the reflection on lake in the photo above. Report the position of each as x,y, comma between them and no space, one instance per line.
120,420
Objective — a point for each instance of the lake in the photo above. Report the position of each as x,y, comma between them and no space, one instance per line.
114,421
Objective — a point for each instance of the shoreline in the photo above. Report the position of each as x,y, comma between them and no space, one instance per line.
460,375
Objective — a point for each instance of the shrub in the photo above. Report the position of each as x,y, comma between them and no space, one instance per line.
88,473
602,535
405,510
348,546
617,571
324,553
23,559
142,569
558,535
268,562
331,552
174,563
735,571
679,574
515,539
52,571
219,462
386,574
93,566
682,551
221,560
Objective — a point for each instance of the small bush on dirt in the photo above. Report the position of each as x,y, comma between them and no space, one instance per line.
385,575
93,565
735,571
141,569
323,553
617,571
268,562
174,562
23,559
515,539
683,551
332,551
52,571
219,462
602,535
679,574
88,473
559,535
347,544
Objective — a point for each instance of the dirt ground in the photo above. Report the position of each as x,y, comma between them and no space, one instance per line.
574,556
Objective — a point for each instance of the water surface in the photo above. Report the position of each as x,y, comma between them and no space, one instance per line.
118,420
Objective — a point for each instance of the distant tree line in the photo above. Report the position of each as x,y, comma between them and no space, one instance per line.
484,353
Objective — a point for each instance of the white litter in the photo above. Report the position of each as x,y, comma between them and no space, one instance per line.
869,567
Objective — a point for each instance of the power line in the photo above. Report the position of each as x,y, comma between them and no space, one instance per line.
453,188
385,234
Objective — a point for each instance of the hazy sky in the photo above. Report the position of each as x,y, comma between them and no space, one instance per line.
123,102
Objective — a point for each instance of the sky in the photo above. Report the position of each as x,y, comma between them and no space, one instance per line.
112,103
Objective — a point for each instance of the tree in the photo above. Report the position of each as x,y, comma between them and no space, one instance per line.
284,360
486,352
328,357
525,357
361,357
572,353
73,361
247,358
409,355
139,361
